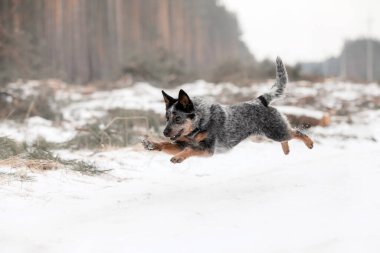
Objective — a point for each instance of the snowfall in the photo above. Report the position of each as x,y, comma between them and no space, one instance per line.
251,199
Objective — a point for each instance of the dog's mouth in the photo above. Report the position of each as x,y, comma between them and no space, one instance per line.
175,137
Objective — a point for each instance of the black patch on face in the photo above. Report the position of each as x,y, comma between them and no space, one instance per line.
177,119
178,112
177,116
184,102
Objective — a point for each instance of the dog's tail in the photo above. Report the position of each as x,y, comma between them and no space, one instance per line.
278,88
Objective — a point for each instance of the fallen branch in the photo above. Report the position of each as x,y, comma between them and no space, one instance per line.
305,118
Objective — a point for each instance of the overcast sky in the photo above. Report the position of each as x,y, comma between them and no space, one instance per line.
303,30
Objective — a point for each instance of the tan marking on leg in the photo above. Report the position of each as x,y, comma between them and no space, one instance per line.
197,138
188,152
168,147
296,134
285,147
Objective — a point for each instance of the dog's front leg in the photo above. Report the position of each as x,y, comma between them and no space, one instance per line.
187,152
167,147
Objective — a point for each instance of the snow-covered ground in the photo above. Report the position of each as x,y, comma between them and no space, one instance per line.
252,199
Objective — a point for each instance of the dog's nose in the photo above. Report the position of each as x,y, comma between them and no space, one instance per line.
166,132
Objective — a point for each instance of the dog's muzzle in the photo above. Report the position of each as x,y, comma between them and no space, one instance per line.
177,135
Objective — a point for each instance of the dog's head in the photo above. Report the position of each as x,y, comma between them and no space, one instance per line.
179,115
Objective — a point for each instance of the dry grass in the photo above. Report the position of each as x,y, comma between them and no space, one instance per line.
15,105
120,128
50,162
14,176
9,147
20,162
37,157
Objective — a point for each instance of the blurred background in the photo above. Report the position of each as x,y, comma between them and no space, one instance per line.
80,64
80,85
51,50
169,42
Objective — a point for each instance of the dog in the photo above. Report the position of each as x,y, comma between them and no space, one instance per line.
197,127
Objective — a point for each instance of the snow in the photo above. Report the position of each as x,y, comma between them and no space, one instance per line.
300,111
143,96
27,88
35,128
251,199
365,126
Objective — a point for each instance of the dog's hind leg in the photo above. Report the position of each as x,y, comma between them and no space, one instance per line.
285,147
296,134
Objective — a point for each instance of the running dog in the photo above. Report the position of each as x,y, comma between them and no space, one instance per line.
197,127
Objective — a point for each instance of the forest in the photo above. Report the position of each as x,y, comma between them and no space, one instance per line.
87,40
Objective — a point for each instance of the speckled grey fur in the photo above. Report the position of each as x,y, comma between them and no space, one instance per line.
199,127
278,89
228,125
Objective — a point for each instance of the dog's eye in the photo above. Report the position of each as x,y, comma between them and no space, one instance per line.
177,119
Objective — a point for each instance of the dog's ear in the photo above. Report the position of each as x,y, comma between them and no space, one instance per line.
169,101
185,102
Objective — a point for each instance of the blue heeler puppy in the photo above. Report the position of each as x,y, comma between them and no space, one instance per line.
197,127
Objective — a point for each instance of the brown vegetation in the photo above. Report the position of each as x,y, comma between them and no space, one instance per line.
38,157
245,72
16,105
119,128
307,121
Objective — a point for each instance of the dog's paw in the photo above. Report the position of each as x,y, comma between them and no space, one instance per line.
309,144
149,145
177,159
